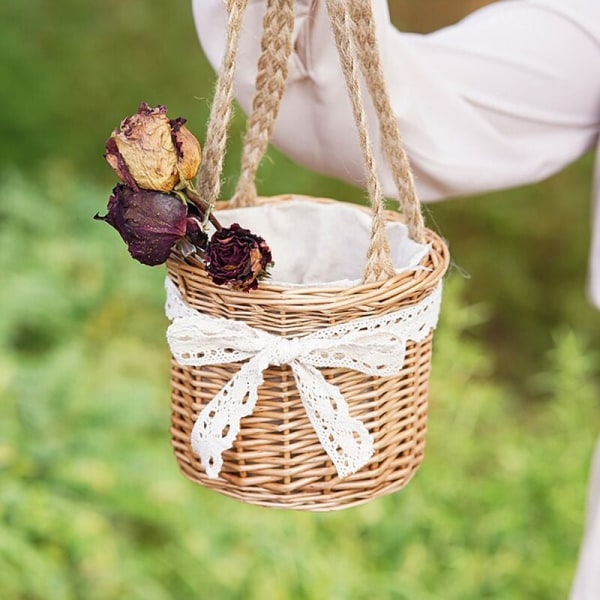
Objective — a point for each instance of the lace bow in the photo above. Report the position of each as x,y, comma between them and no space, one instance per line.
372,345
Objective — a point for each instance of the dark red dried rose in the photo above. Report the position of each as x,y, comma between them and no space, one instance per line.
237,258
150,223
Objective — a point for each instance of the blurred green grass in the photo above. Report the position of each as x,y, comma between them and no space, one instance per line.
92,505
91,502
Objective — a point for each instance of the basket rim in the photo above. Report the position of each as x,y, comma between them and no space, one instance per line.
429,271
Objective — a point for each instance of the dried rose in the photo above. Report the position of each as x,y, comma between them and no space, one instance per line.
187,147
149,222
151,152
237,258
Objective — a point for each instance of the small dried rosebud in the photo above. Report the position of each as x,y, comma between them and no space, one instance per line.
149,222
151,152
237,258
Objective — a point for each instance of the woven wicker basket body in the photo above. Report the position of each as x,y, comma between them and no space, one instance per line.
277,460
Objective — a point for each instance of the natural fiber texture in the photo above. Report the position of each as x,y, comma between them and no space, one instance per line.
277,459
276,45
379,263
374,346
209,176
366,46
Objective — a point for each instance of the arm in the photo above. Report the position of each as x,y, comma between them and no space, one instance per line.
507,96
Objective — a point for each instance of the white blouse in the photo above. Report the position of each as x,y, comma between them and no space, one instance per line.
508,96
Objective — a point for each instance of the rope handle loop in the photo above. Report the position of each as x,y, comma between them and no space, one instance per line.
353,28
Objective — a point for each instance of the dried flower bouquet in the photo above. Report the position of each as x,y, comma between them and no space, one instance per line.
156,208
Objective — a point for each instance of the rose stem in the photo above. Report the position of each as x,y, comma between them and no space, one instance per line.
204,207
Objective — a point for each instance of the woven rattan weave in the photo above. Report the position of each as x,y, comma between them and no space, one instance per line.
277,459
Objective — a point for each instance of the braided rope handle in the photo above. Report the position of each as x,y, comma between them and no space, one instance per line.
353,28
276,49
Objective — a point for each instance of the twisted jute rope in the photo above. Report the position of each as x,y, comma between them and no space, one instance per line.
215,144
353,28
366,45
379,263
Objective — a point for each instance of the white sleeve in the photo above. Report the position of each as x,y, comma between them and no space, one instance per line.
508,96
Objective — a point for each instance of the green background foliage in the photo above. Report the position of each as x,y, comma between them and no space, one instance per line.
92,505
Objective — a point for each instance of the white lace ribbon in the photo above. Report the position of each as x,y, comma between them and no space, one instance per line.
372,345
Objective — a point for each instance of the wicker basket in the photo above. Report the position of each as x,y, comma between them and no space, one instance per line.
277,459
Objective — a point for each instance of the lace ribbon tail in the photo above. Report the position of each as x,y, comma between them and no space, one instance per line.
218,424
345,439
